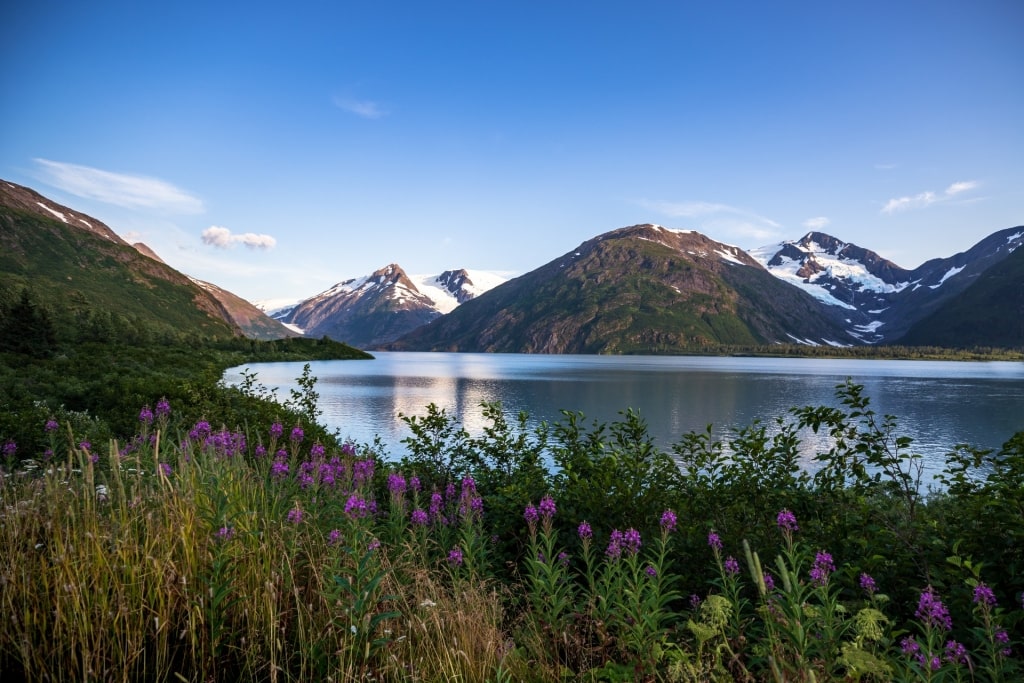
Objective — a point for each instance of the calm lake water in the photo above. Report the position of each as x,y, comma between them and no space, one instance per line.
937,403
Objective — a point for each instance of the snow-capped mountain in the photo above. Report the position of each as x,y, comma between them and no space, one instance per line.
374,309
880,300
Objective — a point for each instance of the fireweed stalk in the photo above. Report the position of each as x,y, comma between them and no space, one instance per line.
551,590
989,631
649,591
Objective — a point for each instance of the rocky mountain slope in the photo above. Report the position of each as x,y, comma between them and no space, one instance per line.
880,300
641,289
378,308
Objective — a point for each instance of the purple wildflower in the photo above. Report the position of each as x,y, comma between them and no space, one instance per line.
373,545
932,612
419,517
715,542
51,425
563,559
10,448
584,531
226,533
651,571
455,556
362,471
669,521
295,515
732,567
334,538
146,415
396,484
436,503
414,484
531,515
547,508
867,584
614,550
983,595
1003,638
348,449
276,430
787,521
200,431
165,469
956,653
631,541
279,470
694,601
163,408
769,582
909,646
297,435
317,450
356,506
261,451
823,567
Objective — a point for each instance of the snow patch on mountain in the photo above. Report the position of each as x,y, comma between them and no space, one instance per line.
56,213
434,288
949,273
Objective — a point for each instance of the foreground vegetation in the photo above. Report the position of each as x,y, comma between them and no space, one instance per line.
193,550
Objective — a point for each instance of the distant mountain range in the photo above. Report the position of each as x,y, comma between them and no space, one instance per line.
639,289
376,309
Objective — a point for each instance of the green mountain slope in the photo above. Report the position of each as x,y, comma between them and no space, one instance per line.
642,289
88,277
78,266
989,313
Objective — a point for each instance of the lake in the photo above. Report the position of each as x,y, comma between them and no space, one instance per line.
938,403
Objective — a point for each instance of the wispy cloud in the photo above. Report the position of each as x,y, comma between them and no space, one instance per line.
222,238
817,223
719,221
928,197
367,109
130,191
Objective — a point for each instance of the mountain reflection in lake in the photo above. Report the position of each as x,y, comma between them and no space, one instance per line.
938,403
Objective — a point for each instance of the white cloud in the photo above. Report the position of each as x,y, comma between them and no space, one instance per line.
817,223
719,221
962,186
364,108
696,209
117,188
222,238
927,198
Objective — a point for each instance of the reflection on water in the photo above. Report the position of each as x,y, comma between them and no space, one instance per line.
937,403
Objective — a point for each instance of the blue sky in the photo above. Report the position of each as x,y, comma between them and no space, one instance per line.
277,148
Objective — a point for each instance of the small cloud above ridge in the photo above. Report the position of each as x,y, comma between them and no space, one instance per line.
366,109
222,238
119,189
928,197
718,219
817,223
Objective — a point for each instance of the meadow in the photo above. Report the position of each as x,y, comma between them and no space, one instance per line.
192,550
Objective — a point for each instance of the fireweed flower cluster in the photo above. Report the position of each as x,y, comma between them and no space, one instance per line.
455,557
623,543
584,531
471,504
668,521
867,584
823,567
932,613
146,415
